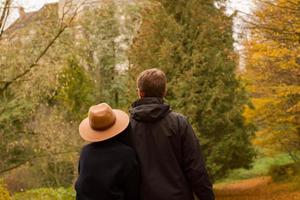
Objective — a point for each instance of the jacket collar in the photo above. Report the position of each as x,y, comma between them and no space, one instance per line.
148,100
149,109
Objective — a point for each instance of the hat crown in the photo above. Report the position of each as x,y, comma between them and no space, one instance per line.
101,117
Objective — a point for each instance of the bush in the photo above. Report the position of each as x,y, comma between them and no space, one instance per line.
261,167
4,194
283,172
21,179
56,173
46,194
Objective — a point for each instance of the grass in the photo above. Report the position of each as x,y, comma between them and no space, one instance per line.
261,188
46,194
260,167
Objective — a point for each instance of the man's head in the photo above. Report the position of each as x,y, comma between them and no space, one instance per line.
152,83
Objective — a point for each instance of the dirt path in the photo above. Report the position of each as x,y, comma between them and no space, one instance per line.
256,189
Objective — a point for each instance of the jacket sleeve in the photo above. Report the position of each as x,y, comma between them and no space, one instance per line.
194,166
78,168
132,182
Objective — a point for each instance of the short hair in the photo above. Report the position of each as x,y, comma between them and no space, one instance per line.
152,82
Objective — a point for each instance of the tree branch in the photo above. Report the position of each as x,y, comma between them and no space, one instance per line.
63,27
4,15
2,171
292,8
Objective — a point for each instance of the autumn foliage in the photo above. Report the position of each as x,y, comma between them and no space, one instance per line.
273,74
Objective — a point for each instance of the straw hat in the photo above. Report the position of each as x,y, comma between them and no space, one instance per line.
103,123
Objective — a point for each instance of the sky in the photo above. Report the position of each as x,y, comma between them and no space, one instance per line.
242,5
31,5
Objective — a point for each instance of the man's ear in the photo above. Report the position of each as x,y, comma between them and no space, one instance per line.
141,94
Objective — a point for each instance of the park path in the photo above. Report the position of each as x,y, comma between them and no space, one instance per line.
261,188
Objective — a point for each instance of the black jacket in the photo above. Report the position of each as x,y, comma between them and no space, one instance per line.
169,153
108,170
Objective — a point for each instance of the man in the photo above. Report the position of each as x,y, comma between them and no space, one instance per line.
167,147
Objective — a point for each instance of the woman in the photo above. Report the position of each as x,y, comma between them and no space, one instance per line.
108,169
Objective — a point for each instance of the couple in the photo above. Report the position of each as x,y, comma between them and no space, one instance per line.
154,155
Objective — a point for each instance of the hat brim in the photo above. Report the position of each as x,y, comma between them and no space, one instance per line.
91,135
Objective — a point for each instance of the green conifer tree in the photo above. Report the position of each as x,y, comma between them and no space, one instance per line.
192,42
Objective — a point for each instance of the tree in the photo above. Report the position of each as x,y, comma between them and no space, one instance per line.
47,98
22,89
273,69
97,50
64,23
5,8
19,100
192,42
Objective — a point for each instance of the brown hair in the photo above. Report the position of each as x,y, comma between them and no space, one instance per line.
152,83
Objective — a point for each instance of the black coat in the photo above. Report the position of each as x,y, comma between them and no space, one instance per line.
169,153
108,170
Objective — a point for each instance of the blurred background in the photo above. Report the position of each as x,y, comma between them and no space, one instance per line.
233,68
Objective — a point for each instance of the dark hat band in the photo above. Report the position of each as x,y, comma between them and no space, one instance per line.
104,127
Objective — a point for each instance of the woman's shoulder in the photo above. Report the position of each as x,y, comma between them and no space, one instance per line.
127,156
125,149
115,146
